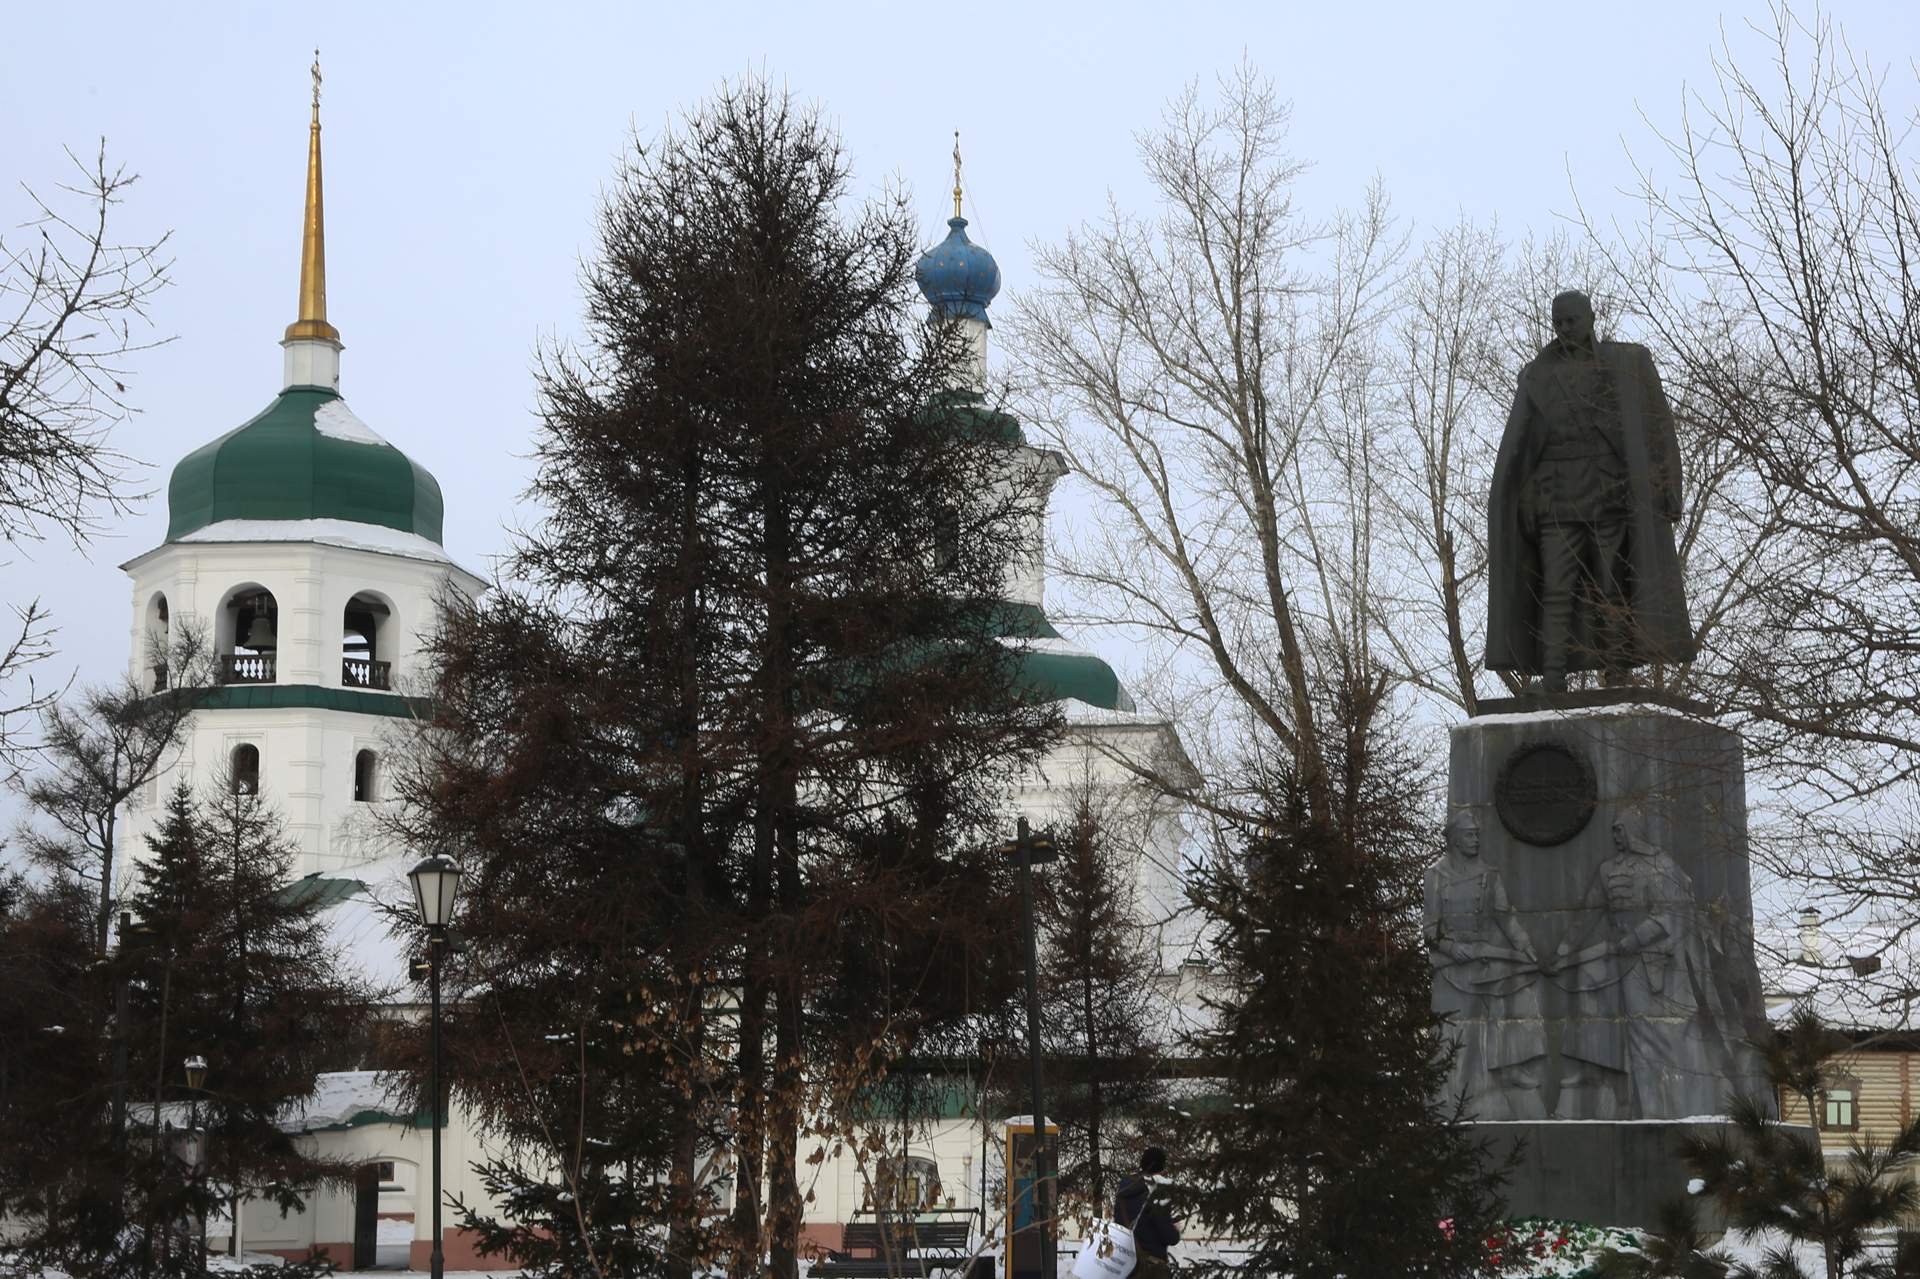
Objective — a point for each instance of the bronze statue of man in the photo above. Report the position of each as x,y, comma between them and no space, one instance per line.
1586,490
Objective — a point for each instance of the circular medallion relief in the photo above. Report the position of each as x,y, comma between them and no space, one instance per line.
1545,793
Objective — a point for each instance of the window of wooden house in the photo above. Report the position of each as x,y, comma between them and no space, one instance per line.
1838,1108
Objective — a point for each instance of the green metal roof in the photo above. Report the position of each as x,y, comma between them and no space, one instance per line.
1053,677
282,466
233,697
969,413
320,890
1050,675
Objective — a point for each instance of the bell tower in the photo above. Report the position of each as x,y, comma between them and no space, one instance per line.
1109,743
309,550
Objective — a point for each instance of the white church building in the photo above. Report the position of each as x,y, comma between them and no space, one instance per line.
310,549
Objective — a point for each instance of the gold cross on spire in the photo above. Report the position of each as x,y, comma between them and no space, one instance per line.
956,173
312,322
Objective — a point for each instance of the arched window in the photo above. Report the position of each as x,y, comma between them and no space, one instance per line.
365,775
244,765
364,659
156,654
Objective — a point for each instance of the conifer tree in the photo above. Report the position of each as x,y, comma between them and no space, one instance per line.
215,960
1323,1138
236,968
735,728
59,1189
1772,1177
1103,1013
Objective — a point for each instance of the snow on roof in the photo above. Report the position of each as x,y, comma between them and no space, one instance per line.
336,421
1559,714
350,534
1079,712
359,916
1857,973
340,1096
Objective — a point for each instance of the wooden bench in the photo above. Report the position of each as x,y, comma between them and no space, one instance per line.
900,1247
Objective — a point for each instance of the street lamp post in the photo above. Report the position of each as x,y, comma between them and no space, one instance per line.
436,882
196,1068
1035,850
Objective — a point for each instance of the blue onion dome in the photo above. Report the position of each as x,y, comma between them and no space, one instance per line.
957,276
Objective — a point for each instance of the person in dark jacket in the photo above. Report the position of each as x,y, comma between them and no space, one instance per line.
1154,1227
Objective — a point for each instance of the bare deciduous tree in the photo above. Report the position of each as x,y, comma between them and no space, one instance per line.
72,313
1792,230
1206,373
99,755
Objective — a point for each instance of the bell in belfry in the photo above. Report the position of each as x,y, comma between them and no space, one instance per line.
260,634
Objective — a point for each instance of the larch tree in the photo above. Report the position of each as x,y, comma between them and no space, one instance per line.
725,753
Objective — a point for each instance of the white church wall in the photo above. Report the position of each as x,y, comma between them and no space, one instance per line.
307,754
307,762
1098,759
311,584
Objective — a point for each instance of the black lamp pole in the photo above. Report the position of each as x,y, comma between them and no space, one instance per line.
437,1267
436,882
1034,849
196,1067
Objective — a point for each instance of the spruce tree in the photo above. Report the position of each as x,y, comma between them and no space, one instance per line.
1323,1139
215,960
236,968
1104,1012
60,1186
734,730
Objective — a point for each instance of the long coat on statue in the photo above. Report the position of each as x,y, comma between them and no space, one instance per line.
1660,631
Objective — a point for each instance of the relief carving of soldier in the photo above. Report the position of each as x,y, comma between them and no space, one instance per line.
1639,990
1486,976
1583,574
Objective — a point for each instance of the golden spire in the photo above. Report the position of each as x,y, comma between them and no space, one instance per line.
956,173
313,240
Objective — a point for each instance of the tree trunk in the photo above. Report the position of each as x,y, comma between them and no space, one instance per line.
681,1229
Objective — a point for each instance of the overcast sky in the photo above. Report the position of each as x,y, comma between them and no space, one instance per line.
466,147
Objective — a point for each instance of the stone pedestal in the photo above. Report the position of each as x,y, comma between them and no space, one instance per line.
1604,1174
1595,957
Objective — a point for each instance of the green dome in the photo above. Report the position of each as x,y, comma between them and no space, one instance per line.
305,457
1051,670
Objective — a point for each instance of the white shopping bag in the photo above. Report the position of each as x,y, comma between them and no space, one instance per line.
1107,1254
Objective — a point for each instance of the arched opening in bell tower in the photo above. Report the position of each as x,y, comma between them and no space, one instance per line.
366,660
155,640
247,635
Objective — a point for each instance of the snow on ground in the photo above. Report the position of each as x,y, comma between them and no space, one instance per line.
1185,1255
